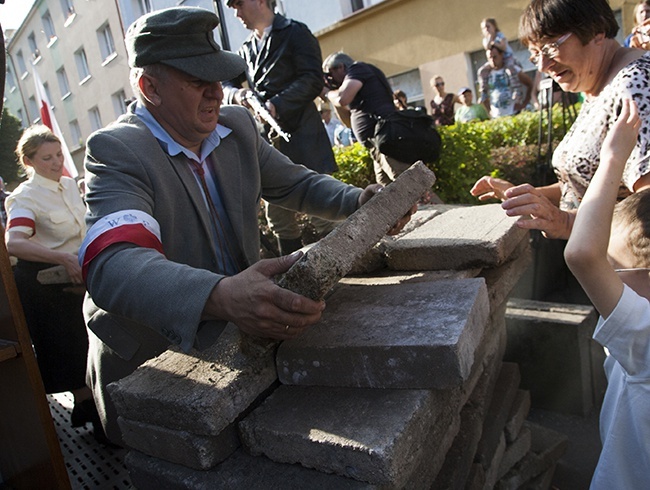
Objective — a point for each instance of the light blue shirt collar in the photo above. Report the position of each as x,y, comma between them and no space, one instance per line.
171,146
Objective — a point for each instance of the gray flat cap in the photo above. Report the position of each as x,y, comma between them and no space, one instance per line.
182,37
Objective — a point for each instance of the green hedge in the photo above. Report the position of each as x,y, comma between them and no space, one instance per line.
506,147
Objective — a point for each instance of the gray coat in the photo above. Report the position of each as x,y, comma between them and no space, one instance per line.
140,301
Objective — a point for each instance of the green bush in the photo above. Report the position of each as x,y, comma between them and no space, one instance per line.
506,147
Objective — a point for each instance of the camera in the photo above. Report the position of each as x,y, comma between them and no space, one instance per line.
329,81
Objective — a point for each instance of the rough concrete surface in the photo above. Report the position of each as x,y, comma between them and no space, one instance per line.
461,238
336,430
333,256
240,471
201,392
414,335
179,446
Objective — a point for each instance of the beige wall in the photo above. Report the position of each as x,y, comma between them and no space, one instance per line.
431,35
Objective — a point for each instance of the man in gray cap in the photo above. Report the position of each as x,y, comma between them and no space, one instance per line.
173,191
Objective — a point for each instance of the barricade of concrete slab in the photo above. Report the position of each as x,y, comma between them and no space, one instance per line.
401,385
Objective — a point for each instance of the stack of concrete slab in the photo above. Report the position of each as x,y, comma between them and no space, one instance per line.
401,384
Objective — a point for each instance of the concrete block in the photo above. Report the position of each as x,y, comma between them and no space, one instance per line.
375,258
460,457
332,257
502,280
547,447
494,463
377,436
476,479
237,472
462,238
179,446
560,363
201,392
515,452
518,415
414,336
497,414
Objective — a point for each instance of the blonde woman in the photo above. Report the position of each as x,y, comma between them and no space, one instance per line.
442,105
45,227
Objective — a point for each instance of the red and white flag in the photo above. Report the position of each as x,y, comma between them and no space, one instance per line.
49,119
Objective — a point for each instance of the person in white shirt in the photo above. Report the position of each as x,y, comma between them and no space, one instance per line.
608,253
45,227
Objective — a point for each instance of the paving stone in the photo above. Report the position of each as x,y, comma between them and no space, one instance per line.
460,457
547,448
502,280
560,363
375,258
518,415
476,479
515,451
201,392
497,414
494,463
240,471
179,446
462,238
372,435
415,336
334,255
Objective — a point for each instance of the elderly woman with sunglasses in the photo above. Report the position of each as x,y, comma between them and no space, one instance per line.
573,42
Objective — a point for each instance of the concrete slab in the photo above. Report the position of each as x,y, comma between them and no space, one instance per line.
547,447
461,238
377,436
518,415
179,446
460,457
502,280
560,364
515,452
333,256
413,336
494,462
240,471
497,414
201,392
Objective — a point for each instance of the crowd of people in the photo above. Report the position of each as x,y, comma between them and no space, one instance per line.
124,238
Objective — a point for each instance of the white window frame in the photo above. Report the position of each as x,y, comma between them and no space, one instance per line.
81,60
95,118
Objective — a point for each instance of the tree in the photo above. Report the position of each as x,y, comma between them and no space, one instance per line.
10,131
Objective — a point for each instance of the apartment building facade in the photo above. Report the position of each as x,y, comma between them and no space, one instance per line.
76,47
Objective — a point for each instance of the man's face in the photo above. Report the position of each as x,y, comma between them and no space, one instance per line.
187,107
248,11
466,98
495,58
337,75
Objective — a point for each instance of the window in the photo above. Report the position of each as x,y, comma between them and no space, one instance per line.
64,86
36,54
106,44
95,119
75,131
33,109
141,7
46,86
82,65
48,28
22,67
21,116
68,8
119,103
11,80
356,5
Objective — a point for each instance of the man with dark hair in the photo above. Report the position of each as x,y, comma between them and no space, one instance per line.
283,68
173,191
